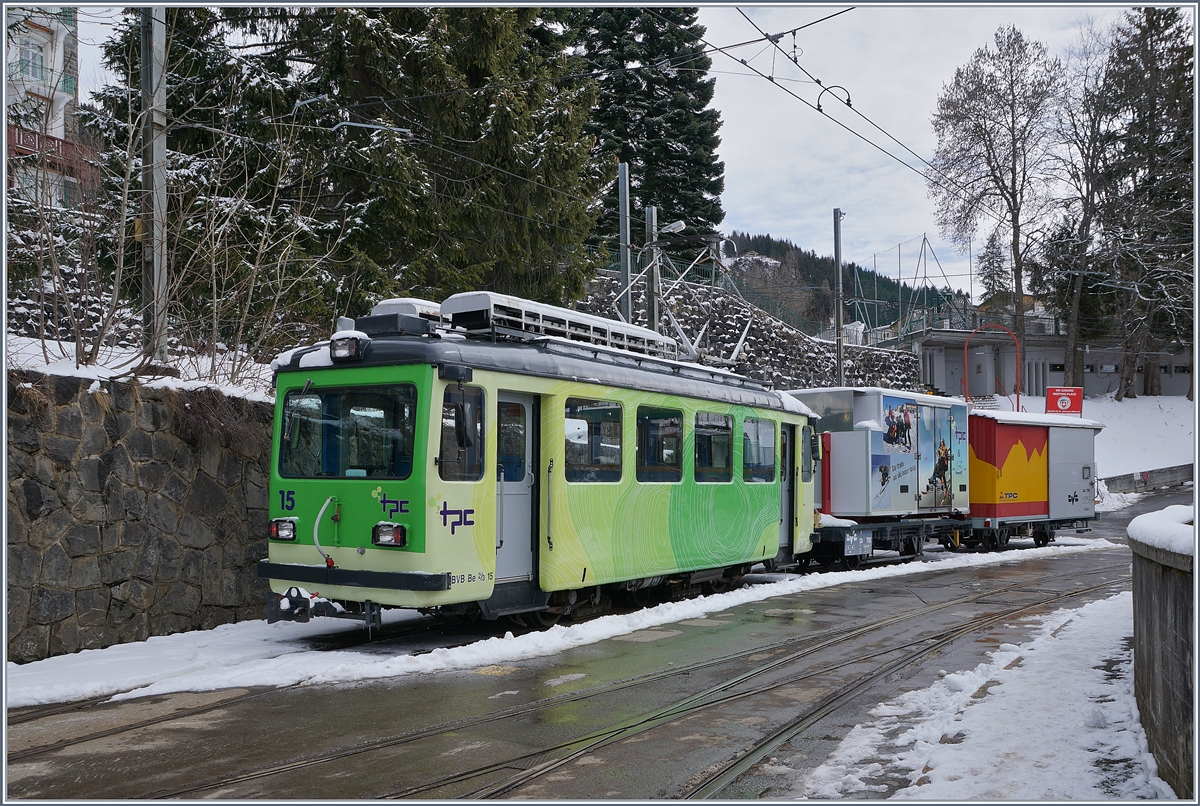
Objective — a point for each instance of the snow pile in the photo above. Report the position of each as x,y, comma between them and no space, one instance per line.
1171,529
253,653
1052,719
1110,502
1145,433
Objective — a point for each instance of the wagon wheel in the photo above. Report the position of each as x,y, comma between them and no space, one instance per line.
719,585
544,618
991,541
908,547
1041,537
949,545
852,562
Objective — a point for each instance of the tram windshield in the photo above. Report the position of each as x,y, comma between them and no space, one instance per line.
348,433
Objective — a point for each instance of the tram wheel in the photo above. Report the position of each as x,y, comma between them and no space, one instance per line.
544,618
803,563
719,585
640,597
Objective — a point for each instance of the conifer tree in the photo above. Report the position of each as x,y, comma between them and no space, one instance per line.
652,111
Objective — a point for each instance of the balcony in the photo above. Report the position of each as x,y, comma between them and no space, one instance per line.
41,74
62,156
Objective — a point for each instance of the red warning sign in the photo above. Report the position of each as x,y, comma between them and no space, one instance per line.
1064,400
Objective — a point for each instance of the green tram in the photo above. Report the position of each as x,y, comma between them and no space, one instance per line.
501,457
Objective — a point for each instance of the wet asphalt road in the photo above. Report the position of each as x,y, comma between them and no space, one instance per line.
653,714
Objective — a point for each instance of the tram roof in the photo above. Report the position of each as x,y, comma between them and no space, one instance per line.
556,358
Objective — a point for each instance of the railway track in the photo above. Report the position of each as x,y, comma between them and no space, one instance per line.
746,683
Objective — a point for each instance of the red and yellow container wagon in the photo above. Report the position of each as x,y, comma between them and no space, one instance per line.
1030,474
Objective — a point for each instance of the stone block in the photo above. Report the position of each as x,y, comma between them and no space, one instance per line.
145,416
38,500
66,389
139,446
170,624
152,475
55,569
166,445
92,474
70,491
117,567
95,441
91,607
175,488
190,565
181,599
135,593
229,472
210,574
216,616
112,427
15,524
160,513
186,461
32,643
24,434
49,530
110,537
24,565
114,500
69,422
124,396
232,593
133,534
137,628
210,457
193,533
96,637
206,500
63,450
18,609
255,476
64,637
49,605
85,573
82,539
146,567
119,464
169,560
91,508
135,504
46,470
20,463
256,497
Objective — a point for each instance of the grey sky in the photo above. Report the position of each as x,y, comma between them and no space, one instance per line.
787,166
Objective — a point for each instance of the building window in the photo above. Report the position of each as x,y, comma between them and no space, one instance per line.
1058,367
1165,369
1089,367
1109,369
1182,370
31,61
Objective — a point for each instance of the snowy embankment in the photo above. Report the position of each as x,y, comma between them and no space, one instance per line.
1171,529
254,653
1051,719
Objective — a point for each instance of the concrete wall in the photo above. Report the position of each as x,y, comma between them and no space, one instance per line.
132,512
1164,659
1154,479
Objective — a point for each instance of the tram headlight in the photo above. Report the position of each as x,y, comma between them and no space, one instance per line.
345,349
282,529
389,534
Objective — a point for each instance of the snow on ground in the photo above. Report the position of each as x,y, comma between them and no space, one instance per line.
1051,719
254,653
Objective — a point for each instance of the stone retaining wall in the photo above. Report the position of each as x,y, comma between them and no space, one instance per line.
132,512
1164,659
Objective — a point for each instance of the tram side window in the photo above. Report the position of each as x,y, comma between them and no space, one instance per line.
461,455
758,451
593,440
714,447
659,444
348,433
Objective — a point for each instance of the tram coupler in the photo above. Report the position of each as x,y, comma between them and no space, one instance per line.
293,605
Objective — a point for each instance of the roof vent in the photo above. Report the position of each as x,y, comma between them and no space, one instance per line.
485,313
409,306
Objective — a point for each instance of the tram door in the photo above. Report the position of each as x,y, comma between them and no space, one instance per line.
514,486
787,485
